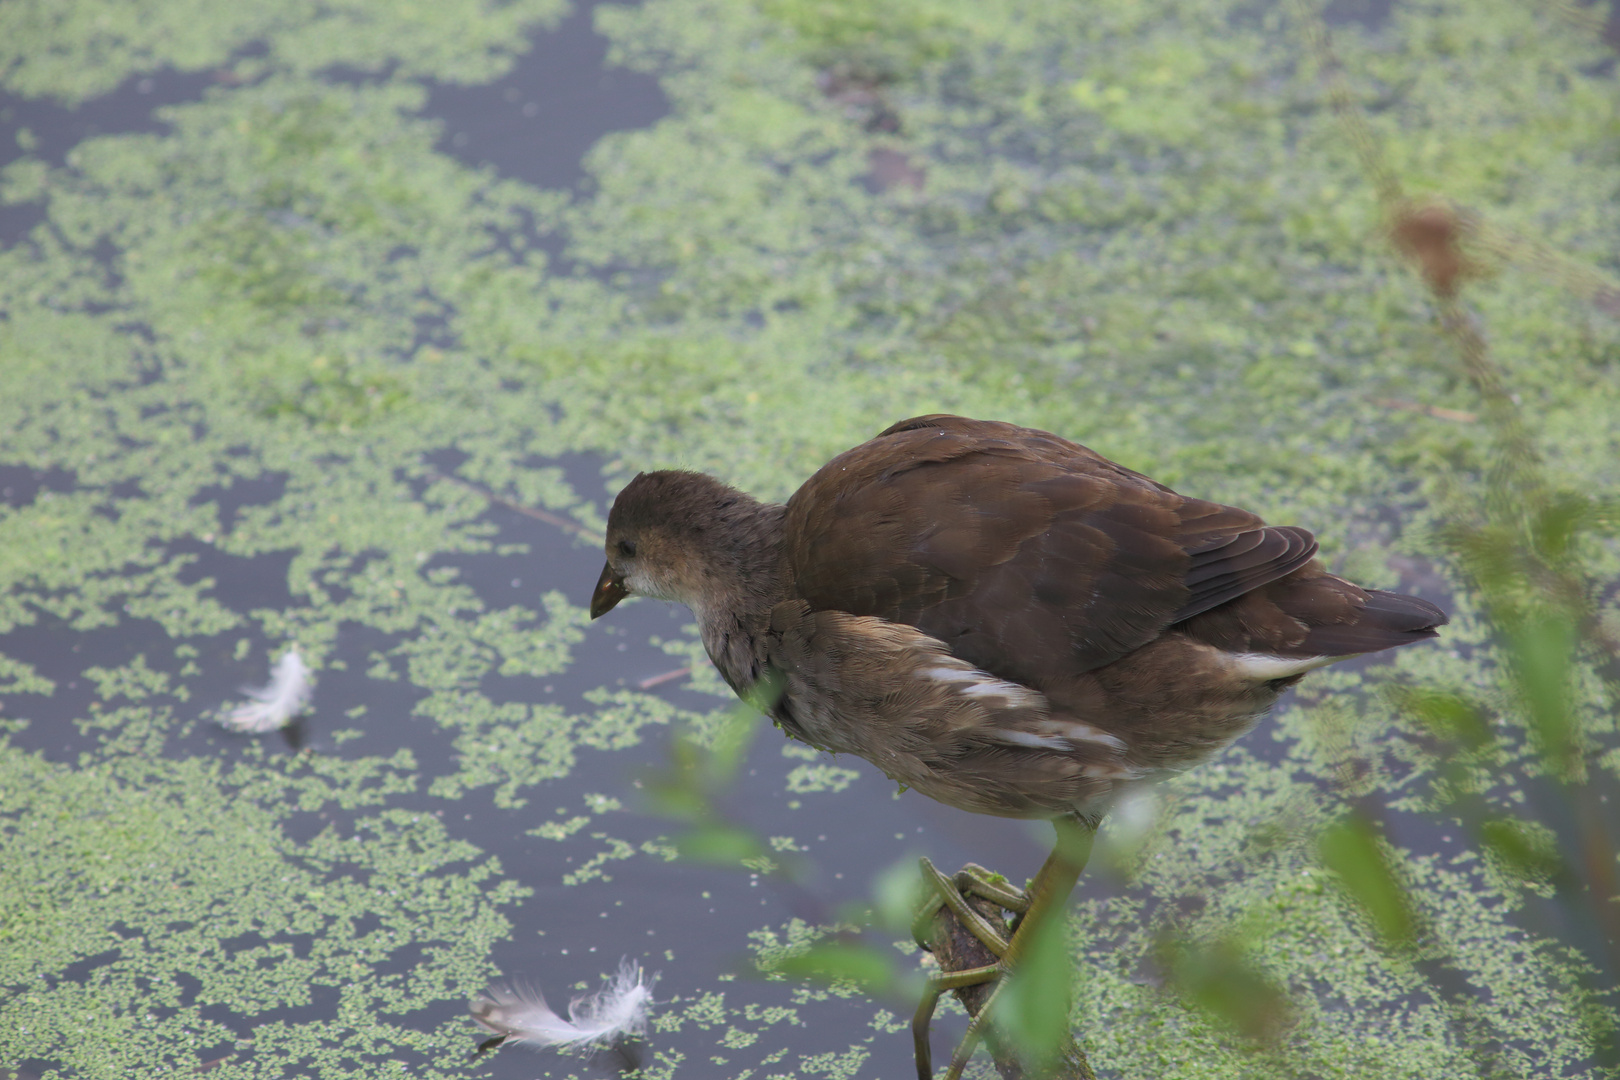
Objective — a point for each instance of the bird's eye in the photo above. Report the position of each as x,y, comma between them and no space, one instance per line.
627,548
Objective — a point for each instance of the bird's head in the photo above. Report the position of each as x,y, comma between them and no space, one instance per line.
667,538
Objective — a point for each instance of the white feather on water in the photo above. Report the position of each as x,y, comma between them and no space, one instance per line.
616,1011
274,705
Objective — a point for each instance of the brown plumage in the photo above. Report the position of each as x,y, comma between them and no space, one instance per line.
998,617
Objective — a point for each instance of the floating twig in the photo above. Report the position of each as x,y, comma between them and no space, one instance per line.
660,680
565,524
1439,412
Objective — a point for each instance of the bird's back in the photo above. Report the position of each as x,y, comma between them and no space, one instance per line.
1165,622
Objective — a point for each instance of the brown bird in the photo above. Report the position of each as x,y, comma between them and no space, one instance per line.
998,617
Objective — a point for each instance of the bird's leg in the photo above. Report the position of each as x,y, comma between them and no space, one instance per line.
968,935
1054,881
1044,899
991,933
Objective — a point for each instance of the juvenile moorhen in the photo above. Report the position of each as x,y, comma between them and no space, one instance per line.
1000,618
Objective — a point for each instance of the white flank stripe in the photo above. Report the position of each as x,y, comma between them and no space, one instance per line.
1011,693
1263,667
1076,732
1030,739
1058,735
982,684
953,674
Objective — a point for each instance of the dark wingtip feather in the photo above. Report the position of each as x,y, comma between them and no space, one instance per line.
1388,620
1407,612
1231,566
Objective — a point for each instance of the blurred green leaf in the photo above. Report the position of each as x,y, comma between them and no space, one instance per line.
1449,715
1033,1008
842,961
702,761
897,894
1490,554
729,741
671,798
1603,516
1528,849
1560,521
1218,979
1130,824
719,843
1541,650
1351,849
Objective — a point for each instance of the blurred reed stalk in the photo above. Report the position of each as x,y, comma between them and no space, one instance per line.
1523,546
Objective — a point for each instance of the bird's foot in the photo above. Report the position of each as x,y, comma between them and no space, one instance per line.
953,893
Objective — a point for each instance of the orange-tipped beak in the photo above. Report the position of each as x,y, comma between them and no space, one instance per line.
609,591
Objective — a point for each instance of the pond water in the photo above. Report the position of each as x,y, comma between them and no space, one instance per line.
338,328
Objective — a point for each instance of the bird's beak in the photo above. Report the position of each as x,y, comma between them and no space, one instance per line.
609,591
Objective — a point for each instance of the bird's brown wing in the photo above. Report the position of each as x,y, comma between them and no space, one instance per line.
1029,556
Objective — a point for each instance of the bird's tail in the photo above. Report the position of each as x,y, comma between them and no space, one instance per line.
1385,621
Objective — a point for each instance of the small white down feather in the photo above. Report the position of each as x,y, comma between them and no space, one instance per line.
616,1011
274,705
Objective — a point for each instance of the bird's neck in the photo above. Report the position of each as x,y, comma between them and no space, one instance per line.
750,578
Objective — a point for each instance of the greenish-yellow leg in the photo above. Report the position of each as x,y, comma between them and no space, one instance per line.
1045,899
